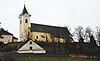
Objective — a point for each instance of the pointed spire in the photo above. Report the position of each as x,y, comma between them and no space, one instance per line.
24,10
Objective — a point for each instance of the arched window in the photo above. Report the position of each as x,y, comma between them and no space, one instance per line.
36,37
46,39
20,21
26,21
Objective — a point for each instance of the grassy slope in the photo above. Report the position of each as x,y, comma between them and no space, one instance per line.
53,59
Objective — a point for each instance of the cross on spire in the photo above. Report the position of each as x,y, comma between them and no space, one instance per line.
24,1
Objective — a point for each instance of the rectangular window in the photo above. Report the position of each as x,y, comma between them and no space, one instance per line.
30,48
26,21
36,37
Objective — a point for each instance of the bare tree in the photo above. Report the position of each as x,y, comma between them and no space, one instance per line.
98,34
89,31
68,27
88,34
79,32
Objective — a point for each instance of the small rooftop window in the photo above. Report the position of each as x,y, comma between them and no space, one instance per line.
30,42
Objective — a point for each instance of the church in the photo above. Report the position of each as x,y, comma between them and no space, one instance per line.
45,40
41,32
38,38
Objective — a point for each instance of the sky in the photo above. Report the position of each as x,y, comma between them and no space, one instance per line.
70,13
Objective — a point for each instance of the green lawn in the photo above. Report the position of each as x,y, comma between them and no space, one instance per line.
53,59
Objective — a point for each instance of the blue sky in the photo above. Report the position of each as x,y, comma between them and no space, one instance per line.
50,12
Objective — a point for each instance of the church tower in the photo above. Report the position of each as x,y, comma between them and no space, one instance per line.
24,25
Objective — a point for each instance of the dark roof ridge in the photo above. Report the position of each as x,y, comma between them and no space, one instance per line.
54,30
4,32
48,25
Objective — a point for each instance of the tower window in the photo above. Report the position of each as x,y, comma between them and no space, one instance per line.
46,39
36,37
26,21
20,21
30,48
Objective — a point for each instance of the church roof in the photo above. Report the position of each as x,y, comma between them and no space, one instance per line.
54,30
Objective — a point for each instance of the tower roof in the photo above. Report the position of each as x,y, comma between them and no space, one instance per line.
24,11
